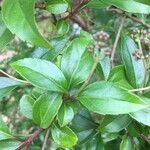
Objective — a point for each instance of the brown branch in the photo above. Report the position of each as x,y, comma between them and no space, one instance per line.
117,11
29,141
46,139
117,40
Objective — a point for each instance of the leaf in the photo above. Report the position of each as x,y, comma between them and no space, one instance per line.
84,126
144,1
130,6
64,136
4,131
126,143
57,6
9,144
134,67
7,85
118,76
22,22
104,64
142,116
62,27
26,106
114,123
97,4
74,63
41,73
108,98
46,108
65,115
5,35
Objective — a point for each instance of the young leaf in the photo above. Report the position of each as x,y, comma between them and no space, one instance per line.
9,144
130,6
115,123
142,116
22,22
41,73
126,143
64,136
26,106
135,69
4,131
57,6
77,62
7,85
46,108
108,98
65,115
118,76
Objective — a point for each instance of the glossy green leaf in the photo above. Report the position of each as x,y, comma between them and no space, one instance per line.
9,144
65,115
126,143
62,27
115,123
46,108
134,67
118,76
4,131
97,4
22,22
41,73
130,6
74,63
7,85
108,98
144,1
57,6
142,116
26,106
64,136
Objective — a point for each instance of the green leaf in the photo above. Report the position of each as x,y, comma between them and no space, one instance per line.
64,136
114,123
5,35
97,4
57,6
108,98
144,1
126,143
62,27
104,64
134,67
118,76
26,106
142,116
7,85
5,133
22,22
77,62
130,6
65,115
9,144
46,108
41,73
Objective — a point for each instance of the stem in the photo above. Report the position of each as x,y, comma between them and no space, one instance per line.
117,40
28,141
90,76
6,74
46,139
140,89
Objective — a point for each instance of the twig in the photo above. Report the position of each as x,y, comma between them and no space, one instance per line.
19,80
140,89
28,141
117,11
90,76
116,40
46,139
146,138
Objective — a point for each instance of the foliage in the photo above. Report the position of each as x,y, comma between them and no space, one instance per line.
77,74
